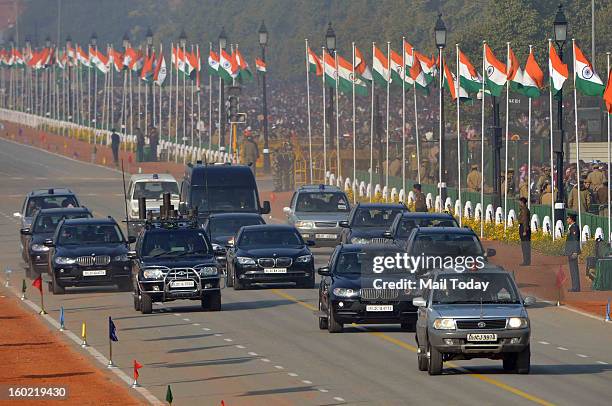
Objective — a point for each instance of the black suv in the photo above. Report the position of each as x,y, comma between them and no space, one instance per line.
88,252
368,222
174,259
43,227
402,225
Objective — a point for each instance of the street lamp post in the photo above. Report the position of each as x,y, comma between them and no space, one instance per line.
149,89
263,41
69,95
94,43
560,29
222,117
330,44
440,38
47,102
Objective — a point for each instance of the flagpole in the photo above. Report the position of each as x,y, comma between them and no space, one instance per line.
169,137
416,128
507,136
353,190
609,153
161,121
176,100
131,92
338,168
210,134
308,112
324,122
146,89
458,87
111,93
577,144
387,126
89,93
484,72
138,90
404,116
371,187
199,94
440,126
191,111
552,165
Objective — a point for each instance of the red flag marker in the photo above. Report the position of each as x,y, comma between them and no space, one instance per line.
37,283
137,366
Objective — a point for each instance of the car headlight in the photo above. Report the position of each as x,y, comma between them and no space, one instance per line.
246,261
218,248
121,258
39,248
152,274
64,260
304,224
208,271
304,258
346,292
360,240
444,324
517,322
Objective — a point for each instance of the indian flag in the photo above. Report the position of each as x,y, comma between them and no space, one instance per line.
244,72
496,73
380,67
314,63
100,61
607,96
82,57
587,80
417,74
213,63
348,77
450,82
408,54
329,67
361,66
533,78
557,70
515,73
159,76
468,76
260,65
428,66
228,67
398,70
178,59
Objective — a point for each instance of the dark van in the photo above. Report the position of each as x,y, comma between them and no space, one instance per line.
220,188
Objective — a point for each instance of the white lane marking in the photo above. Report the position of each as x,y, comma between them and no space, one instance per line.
307,382
229,340
602,363
339,399
544,342
177,314
582,356
186,320
265,360
242,347
562,348
293,374
323,390
278,367
252,354
205,329
218,335
196,324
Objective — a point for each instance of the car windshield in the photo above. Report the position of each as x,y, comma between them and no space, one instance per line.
47,223
322,202
230,226
374,217
475,287
224,199
49,202
406,225
270,238
363,263
154,190
175,243
447,245
89,234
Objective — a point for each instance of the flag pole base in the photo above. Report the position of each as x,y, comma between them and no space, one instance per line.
84,344
110,364
62,328
22,296
558,303
42,312
135,384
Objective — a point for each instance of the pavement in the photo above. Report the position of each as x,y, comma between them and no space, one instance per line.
265,348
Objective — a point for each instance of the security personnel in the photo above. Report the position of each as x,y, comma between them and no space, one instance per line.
596,177
153,142
276,170
140,144
115,142
287,167
395,167
250,151
425,176
420,202
585,198
474,179
547,196
525,231
524,189
572,250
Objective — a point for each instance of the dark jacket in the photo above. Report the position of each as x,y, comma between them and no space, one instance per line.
115,140
572,244
420,202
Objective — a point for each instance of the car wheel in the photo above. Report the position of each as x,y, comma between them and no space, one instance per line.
237,284
56,288
229,279
523,361
212,301
333,326
146,304
409,326
509,361
422,360
137,302
322,320
435,361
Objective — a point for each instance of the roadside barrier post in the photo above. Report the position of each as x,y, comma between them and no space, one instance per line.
84,335
7,273
62,327
608,311
23,290
112,336
169,397
137,366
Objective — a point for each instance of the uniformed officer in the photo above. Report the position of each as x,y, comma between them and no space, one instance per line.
585,199
276,169
596,177
525,231
474,179
572,250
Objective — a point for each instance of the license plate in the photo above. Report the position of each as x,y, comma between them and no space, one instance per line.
482,337
275,270
98,272
182,284
326,236
379,308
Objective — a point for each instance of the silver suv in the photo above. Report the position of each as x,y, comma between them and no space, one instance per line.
316,211
474,314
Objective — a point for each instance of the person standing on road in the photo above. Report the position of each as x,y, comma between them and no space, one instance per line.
420,202
525,231
572,250
115,142
153,142
140,144
250,151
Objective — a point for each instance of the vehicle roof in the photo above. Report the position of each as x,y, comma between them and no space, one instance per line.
374,248
62,191
64,210
220,175
234,215
152,177
417,214
445,230
90,221
381,206
268,227
319,188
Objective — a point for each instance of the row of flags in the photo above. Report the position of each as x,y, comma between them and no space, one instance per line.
418,70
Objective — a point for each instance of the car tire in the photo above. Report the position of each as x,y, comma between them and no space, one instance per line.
137,301
237,284
422,360
509,361
435,364
229,279
212,301
146,304
408,326
322,320
333,326
523,361
56,288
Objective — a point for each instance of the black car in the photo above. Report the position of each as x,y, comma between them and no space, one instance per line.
174,259
223,227
269,254
368,222
43,227
88,252
402,225
351,292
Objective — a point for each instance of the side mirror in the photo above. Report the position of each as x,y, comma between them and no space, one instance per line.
265,208
287,210
48,243
131,239
529,301
387,234
17,214
344,224
230,244
25,231
325,271
310,243
419,302
131,254
491,252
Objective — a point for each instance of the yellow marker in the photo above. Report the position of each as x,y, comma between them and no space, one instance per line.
84,335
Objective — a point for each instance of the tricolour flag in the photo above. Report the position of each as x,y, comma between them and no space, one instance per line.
100,61
417,74
260,65
587,80
159,76
329,69
398,70
607,96
178,59
428,66
116,59
557,70
227,66
408,54
496,73
193,66
213,63
146,73
468,76
345,73
533,78
244,72
515,73
380,67
82,57
361,66
314,63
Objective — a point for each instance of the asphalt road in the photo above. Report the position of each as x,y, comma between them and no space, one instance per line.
265,348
